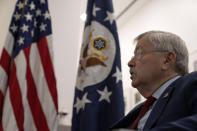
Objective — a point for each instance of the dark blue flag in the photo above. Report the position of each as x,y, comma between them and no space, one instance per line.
98,101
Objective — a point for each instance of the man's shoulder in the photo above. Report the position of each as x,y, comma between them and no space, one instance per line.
184,85
192,74
187,78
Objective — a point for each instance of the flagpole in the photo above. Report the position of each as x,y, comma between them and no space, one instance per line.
24,1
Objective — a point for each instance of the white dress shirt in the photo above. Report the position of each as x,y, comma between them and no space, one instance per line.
156,95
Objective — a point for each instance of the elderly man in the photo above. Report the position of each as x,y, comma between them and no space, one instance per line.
159,71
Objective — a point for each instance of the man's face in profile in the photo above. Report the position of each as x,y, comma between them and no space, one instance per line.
145,65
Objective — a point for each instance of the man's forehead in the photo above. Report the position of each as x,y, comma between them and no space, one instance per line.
143,43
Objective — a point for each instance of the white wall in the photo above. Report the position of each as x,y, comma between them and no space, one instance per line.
67,31
6,9
177,16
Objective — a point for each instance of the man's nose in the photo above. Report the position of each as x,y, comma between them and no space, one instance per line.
131,63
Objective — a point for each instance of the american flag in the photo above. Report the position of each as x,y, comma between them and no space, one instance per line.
28,95
98,101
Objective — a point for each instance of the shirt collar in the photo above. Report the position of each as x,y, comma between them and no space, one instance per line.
159,91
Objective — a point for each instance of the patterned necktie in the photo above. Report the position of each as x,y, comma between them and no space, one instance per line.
149,102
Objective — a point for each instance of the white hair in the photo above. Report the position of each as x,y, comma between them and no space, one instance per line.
166,41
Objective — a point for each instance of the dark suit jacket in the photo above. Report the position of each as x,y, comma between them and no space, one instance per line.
175,110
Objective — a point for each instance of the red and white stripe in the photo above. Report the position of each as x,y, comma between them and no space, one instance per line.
28,88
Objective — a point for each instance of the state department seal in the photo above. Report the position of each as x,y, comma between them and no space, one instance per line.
99,43
97,55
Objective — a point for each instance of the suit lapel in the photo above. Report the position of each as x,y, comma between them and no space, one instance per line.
158,108
128,119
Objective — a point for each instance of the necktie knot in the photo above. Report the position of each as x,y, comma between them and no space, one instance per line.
150,100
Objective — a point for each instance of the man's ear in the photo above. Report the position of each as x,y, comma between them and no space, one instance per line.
169,60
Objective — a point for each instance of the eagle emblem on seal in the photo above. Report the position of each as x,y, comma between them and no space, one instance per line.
93,59
97,55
